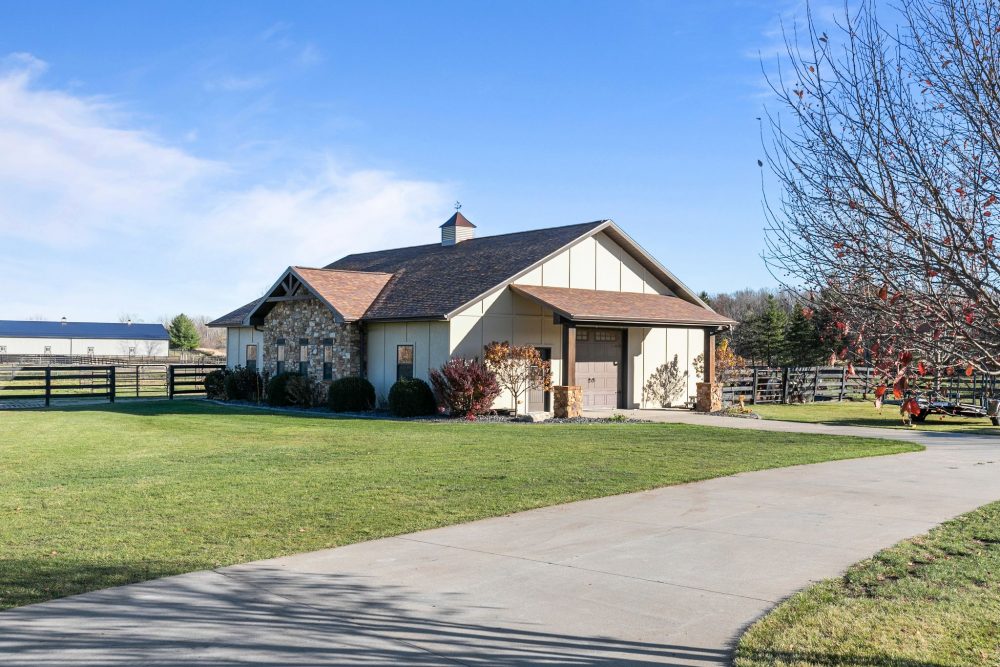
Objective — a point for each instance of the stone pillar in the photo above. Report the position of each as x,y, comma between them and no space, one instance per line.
567,401
709,397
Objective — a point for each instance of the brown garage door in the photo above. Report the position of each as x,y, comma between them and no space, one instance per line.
598,355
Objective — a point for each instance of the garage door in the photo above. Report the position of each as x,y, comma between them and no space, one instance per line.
598,356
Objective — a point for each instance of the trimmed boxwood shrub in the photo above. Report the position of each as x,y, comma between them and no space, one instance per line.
243,384
351,394
277,389
215,384
411,398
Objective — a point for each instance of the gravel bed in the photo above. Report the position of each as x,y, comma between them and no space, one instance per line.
495,418
729,412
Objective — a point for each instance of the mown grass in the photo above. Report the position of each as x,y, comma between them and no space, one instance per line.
95,497
863,413
932,601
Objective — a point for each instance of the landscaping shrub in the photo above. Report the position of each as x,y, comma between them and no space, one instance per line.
411,398
465,387
277,394
215,384
351,394
243,384
300,391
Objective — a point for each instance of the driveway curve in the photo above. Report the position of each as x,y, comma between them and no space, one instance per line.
669,576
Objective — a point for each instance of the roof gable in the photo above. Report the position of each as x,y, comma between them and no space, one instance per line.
347,293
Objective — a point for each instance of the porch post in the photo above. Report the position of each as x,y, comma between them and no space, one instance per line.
569,355
709,356
709,391
567,398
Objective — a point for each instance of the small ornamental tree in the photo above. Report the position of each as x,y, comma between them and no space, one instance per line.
465,387
183,333
518,368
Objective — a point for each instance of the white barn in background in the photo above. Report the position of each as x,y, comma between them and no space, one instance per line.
98,339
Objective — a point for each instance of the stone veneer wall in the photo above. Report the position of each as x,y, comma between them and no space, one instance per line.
310,319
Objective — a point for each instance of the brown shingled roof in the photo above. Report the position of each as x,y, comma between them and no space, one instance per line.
235,318
584,305
350,293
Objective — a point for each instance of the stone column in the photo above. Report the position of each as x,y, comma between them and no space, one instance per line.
567,401
709,397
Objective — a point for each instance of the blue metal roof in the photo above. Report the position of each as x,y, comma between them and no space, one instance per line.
113,330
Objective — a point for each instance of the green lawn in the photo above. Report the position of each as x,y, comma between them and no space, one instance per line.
932,601
94,497
863,413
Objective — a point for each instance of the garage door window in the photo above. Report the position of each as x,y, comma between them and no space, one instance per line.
606,336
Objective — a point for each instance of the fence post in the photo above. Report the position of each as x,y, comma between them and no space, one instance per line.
784,385
753,388
170,382
112,388
843,384
48,386
868,373
137,381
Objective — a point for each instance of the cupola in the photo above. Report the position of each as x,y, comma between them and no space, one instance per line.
457,229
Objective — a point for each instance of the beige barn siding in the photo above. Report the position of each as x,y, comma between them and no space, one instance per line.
504,316
650,348
430,342
596,263
237,339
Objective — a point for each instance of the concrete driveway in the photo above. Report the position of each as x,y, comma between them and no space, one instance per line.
669,576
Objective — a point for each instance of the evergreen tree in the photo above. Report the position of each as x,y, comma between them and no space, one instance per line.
802,339
183,333
771,332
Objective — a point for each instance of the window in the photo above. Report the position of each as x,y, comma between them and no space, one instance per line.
303,356
252,358
131,351
48,349
606,336
327,358
404,362
582,334
3,349
280,365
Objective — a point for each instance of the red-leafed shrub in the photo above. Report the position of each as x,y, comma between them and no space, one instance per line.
465,387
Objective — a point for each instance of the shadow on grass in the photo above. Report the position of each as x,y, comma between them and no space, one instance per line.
272,616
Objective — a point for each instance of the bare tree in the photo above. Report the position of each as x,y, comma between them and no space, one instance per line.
888,180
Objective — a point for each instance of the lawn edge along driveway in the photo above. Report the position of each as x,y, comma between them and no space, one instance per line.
93,498
928,600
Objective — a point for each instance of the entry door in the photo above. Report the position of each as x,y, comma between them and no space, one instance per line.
598,356
539,400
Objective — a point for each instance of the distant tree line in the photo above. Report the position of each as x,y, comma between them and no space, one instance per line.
776,330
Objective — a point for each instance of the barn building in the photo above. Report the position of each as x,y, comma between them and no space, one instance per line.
604,311
97,339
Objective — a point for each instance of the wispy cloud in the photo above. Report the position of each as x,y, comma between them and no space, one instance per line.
236,84
99,217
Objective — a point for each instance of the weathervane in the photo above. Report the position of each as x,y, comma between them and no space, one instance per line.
458,206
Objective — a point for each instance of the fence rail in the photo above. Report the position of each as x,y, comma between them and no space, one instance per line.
833,383
22,386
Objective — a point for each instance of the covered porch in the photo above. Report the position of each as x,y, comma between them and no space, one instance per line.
612,342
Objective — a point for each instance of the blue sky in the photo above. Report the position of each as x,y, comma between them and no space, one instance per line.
166,157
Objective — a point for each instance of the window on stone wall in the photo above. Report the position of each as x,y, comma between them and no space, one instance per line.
404,362
327,358
280,359
251,358
303,356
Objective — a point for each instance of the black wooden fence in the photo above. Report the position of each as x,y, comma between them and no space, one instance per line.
835,383
22,386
